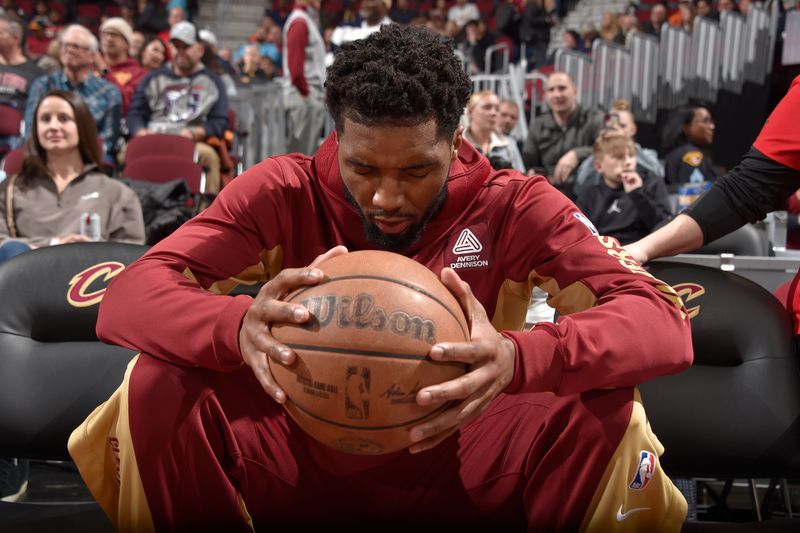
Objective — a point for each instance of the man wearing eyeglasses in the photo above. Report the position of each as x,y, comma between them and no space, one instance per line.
78,48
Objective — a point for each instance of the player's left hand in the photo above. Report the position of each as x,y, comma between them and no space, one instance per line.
491,359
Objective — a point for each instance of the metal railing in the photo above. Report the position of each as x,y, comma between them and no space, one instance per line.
645,53
704,68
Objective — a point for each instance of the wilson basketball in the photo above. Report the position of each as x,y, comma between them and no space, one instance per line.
363,355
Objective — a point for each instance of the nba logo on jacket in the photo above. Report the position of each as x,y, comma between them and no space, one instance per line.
644,471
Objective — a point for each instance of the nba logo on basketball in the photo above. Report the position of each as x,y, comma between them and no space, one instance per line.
644,471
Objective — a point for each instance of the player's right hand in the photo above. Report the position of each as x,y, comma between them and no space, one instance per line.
256,343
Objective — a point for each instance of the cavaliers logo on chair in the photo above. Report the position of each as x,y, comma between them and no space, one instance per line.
87,289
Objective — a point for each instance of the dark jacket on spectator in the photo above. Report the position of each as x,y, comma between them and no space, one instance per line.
688,164
626,216
547,141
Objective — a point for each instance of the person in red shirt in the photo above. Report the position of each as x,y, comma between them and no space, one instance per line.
544,432
114,60
762,182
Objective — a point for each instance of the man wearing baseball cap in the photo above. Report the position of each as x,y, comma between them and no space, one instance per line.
183,98
115,63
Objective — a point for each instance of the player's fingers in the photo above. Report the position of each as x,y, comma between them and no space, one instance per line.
427,444
456,389
261,370
333,252
288,280
270,310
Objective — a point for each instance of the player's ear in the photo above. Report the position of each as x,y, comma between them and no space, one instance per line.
458,139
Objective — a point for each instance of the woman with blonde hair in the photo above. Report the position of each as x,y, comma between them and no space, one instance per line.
481,131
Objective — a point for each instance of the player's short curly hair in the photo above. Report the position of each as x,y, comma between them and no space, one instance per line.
399,76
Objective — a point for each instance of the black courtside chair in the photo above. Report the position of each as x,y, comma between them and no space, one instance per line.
736,412
53,370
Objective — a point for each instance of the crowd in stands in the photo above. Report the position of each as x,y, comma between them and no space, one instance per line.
142,68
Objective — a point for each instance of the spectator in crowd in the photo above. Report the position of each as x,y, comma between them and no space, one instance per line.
268,45
50,62
60,180
507,18
706,9
210,41
482,132
403,12
374,14
687,138
477,40
127,10
539,415
266,65
153,54
280,12
658,16
570,40
588,35
684,17
561,138
304,76
184,98
137,41
743,6
462,12
212,62
17,72
508,117
151,17
115,63
627,22
621,121
609,28
176,14
78,49
36,41
534,31
727,5
250,72
627,202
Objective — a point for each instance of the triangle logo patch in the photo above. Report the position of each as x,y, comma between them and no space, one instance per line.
467,243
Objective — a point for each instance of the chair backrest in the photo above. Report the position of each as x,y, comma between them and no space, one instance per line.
12,162
10,120
736,411
53,370
747,240
160,144
163,168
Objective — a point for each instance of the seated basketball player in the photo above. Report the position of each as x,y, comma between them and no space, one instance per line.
544,432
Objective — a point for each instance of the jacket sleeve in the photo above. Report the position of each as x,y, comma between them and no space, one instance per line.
170,303
530,151
652,203
139,111
126,223
217,119
618,325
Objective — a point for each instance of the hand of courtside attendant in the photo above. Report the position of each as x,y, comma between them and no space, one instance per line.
490,358
256,343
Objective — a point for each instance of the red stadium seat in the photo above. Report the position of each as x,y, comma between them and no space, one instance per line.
163,168
12,162
161,144
92,11
10,120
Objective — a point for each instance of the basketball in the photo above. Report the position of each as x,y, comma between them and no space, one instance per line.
363,355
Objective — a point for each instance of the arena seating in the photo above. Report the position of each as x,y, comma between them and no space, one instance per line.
736,412
53,370
10,124
163,168
12,162
161,144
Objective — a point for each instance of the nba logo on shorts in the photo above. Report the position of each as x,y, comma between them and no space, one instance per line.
644,471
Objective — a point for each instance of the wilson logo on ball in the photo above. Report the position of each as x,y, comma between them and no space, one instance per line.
361,312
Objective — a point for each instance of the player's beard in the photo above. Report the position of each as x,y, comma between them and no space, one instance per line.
397,243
